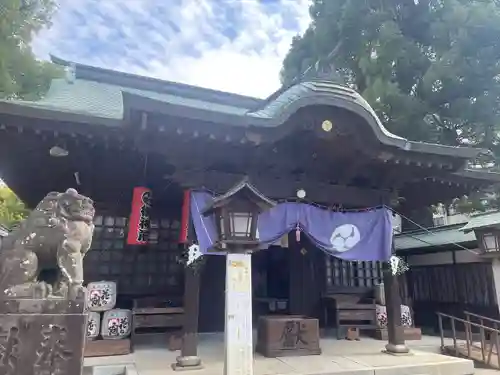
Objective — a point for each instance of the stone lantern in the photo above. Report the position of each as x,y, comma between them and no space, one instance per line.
236,214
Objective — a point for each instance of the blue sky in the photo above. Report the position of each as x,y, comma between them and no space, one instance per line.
229,45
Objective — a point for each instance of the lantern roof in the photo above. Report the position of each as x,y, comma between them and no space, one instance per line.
483,221
244,187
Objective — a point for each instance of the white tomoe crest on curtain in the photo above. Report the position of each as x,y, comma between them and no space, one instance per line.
345,237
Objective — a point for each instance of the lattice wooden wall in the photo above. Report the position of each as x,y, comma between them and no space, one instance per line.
356,274
149,269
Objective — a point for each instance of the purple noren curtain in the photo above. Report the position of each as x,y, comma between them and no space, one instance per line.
361,236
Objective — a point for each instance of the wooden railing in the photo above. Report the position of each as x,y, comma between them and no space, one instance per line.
489,337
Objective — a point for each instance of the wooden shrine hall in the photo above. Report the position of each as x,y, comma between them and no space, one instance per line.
105,132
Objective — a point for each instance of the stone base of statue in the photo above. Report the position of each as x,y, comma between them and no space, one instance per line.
42,336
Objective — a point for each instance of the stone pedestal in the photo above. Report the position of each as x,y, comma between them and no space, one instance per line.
39,337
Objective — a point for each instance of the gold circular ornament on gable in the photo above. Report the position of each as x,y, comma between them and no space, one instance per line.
327,126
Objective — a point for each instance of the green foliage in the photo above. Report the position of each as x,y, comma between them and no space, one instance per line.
468,205
22,76
429,68
12,210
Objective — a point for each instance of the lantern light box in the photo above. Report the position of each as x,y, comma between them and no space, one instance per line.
236,213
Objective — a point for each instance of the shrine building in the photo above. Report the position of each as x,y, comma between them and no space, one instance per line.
105,133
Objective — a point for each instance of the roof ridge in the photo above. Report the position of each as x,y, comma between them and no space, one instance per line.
123,79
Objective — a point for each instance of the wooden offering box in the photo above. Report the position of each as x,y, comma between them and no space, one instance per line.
287,335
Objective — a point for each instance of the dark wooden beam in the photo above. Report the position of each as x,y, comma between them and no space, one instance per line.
353,169
285,188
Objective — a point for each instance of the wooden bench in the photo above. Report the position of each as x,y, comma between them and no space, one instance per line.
155,312
351,307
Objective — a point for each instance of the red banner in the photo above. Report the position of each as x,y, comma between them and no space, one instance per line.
139,223
186,203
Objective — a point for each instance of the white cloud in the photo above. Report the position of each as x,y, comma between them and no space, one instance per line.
236,46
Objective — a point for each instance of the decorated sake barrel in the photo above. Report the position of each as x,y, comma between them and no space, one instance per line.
101,295
116,324
381,312
93,325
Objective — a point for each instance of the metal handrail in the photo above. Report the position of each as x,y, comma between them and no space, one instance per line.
485,354
482,318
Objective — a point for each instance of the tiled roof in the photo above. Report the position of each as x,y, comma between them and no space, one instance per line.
103,100
99,96
433,237
447,235
486,220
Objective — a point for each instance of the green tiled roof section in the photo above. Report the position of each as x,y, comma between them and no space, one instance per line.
283,100
82,97
106,101
188,102
434,237
325,88
490,219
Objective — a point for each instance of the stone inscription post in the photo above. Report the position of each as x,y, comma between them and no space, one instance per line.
41,337
238,333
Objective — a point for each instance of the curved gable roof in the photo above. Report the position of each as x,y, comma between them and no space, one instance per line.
106,95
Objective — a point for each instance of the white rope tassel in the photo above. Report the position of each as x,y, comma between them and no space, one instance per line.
398,265
193,253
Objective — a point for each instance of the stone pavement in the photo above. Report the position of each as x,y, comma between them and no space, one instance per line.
480,371
339,358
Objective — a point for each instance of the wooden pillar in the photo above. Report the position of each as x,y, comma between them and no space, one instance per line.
189,360
296,303
395,329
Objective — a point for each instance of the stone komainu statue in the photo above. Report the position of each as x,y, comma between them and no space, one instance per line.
51,241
